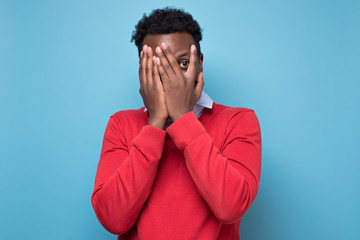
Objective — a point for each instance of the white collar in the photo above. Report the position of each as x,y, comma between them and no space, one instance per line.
204,102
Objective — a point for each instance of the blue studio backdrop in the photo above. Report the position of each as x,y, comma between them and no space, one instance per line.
66,66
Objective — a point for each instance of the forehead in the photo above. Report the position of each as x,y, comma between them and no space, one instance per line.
176,41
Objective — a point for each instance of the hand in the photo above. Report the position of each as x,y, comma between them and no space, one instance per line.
151,89
182,90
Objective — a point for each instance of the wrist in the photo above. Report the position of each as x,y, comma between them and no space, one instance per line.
158,122
178,115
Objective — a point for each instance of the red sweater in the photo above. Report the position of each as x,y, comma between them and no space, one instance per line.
193,181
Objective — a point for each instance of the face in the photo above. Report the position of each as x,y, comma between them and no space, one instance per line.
179,44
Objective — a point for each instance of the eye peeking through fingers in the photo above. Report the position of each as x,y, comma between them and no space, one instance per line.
184,64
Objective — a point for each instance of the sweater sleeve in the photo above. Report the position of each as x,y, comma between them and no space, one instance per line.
124,177
226,178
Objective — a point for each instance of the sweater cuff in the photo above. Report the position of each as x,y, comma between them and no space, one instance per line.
185,129
151,140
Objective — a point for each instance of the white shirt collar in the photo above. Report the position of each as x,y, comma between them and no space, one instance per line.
204,102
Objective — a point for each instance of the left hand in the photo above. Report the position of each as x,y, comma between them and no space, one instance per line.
182,90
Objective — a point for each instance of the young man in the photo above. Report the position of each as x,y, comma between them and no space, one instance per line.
183,166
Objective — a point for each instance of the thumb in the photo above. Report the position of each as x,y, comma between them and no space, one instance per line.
199,84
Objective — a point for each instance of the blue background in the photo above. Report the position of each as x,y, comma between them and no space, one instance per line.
66,66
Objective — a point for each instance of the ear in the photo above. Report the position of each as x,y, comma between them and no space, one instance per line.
201,59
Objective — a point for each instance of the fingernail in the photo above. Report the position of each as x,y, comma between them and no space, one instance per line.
164,45
158,60
158,50
193,48
141,54
144,48
149,50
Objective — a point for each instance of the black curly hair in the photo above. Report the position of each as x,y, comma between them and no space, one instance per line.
166,20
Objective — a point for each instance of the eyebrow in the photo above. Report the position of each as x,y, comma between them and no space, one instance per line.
182,55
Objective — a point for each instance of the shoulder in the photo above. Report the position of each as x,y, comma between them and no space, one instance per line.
128,120
228,112
234,118
127,123
129,114
238,123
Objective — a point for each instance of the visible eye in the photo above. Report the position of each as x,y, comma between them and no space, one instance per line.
184,64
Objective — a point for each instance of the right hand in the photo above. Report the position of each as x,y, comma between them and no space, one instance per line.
151,89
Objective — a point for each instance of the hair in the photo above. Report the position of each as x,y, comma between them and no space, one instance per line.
164,21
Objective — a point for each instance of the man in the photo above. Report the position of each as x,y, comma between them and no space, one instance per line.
183,166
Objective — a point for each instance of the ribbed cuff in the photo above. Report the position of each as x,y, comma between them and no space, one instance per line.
185,129
150,141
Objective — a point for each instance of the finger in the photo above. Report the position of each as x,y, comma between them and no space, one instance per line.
171,59
193,61
156,76
149,66
140,62
199,84
165,63
143,62
162,73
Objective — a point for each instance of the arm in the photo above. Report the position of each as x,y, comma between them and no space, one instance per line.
227,178
124,178
125,173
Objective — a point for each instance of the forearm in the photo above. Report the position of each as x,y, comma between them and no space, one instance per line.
225,189
227,180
